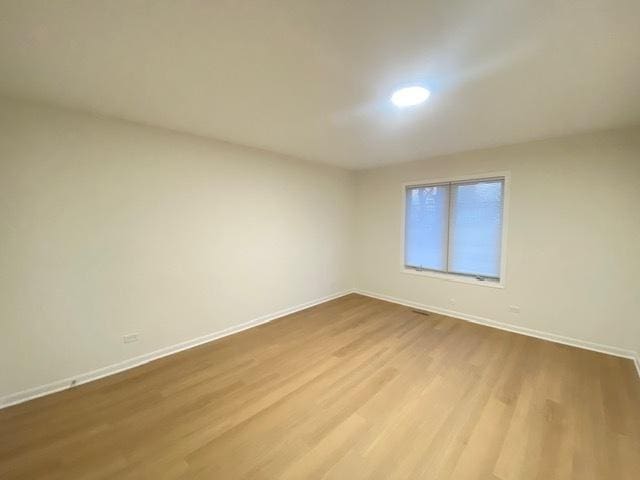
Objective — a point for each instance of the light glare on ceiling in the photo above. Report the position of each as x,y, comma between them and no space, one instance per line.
409,96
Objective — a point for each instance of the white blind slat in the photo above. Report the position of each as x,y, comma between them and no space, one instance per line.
427,212
476,228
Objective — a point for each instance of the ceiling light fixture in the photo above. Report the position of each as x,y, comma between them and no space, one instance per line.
409,96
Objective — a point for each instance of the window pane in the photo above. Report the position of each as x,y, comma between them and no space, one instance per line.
476,228
426,227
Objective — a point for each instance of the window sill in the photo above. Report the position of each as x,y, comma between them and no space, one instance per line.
452,277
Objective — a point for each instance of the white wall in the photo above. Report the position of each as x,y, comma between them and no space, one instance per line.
109,228
573,248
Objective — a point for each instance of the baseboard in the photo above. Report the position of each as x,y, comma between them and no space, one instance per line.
32,393
552,337
53,387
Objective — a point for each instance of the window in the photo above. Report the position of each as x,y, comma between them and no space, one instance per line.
455,227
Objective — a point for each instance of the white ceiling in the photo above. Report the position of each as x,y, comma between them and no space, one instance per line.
312,78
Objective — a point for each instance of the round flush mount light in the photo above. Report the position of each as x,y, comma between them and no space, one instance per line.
409,96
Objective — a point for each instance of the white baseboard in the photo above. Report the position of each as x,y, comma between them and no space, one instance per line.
552,337
31,393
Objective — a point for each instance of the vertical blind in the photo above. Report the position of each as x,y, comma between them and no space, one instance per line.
455,227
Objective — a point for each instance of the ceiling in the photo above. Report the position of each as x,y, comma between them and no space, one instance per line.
312,79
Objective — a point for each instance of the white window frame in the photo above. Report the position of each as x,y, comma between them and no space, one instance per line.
453,277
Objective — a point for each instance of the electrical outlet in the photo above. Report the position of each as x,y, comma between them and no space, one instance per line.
452,301
514,309
132,337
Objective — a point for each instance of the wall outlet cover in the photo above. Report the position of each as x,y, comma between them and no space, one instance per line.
132,337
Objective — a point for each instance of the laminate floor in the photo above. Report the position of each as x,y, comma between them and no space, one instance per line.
355,388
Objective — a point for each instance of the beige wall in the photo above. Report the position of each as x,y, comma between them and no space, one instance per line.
108,228
573,248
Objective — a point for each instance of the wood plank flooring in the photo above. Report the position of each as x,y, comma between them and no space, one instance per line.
355,388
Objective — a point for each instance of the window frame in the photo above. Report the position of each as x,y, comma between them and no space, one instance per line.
456,277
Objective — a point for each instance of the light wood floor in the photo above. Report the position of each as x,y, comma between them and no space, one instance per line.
355,388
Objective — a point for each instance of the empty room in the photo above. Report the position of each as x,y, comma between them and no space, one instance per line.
320,239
